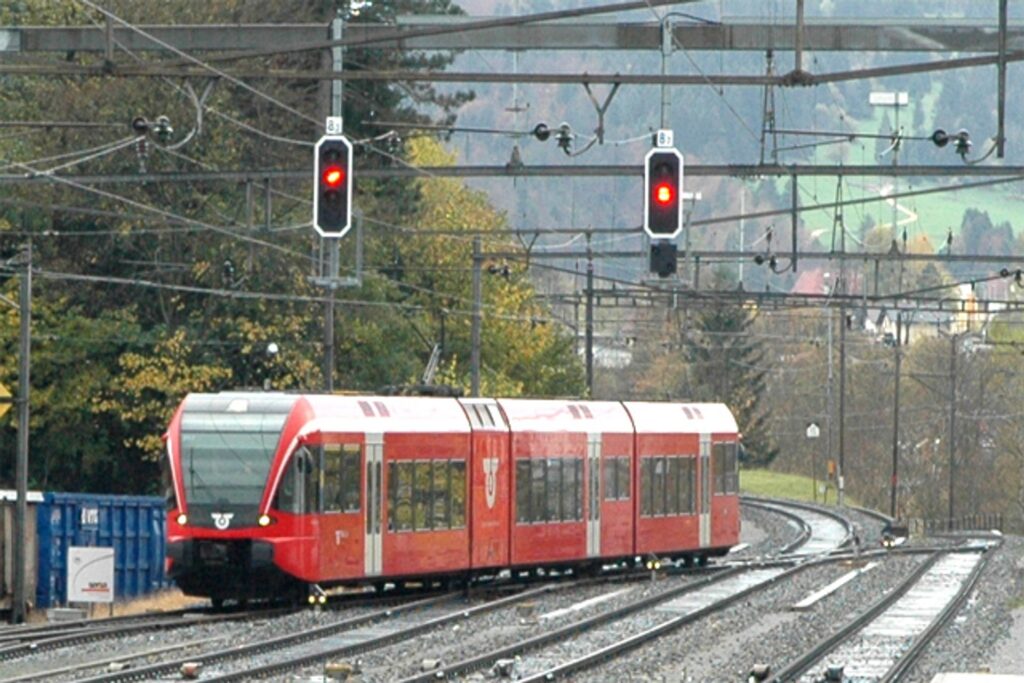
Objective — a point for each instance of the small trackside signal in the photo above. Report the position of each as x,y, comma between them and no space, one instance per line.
663,193
332,194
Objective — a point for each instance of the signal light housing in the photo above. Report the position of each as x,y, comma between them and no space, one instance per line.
332,194
663,193
663,258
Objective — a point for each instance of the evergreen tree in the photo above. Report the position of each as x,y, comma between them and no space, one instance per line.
726,364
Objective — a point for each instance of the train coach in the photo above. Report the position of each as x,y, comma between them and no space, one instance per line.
270,493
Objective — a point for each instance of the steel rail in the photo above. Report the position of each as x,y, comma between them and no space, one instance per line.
636,640
847,524
924,639
794,669
481,661
373,642
85,633
805,528
171,667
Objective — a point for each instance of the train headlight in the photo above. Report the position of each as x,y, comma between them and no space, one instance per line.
264,520
312,599
182,519
322,599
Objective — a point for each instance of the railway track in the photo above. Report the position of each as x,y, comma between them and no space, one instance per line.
673,609
883,642
827,531
383,627
609,635
33,641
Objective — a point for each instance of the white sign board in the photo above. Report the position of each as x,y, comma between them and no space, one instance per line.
90,574
334,125
813,431
889,99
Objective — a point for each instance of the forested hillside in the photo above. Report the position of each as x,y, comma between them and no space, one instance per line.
145,292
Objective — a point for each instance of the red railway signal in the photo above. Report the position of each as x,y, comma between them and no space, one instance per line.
663,193
332,196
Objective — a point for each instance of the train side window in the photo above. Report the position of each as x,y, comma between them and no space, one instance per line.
578,487
523,491
658,487
400,496
687,482
622,481
553,500
671,486
646,486
285,499
571,489
726,468
332,477
678,494
608,471
422,494
723,468
440,509
457,479
167,482
297,492
538,489
351,477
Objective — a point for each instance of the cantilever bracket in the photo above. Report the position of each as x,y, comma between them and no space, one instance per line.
601,108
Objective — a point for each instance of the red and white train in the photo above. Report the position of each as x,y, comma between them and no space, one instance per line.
269,492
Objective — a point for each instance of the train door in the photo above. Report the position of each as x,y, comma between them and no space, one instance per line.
374,553
593,495
341,506
705,490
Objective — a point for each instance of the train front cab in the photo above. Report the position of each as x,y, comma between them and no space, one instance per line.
221,451
680,512
564,510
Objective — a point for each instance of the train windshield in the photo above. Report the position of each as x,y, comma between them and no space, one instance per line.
227,448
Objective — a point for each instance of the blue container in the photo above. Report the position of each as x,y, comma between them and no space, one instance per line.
134,526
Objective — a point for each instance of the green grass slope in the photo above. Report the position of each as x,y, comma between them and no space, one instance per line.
779,485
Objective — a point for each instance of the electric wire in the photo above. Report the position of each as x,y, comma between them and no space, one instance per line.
195,60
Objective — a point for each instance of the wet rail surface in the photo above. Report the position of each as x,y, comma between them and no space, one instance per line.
874,650
825,531
880,643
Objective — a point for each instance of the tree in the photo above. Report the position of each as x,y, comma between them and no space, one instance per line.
726,364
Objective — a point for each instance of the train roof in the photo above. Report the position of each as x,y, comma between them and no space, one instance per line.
367,413
538,415
681,418
386,414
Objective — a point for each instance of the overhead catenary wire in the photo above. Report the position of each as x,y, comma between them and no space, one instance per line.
462,27
195,60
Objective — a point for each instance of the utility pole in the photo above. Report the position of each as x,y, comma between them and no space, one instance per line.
894,483
829,401
841,469
666,51
21,464
590,320
953,339
474,354
337,64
